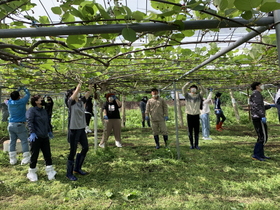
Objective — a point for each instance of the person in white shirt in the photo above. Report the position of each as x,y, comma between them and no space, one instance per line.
204,117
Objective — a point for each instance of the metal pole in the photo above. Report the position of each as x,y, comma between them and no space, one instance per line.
95,124
138,27
242,40
276,15
176,122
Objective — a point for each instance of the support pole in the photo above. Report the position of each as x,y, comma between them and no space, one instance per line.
176,122
276,15
233,101
95,123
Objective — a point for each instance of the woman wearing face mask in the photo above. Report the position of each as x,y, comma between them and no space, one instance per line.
112,120
193,101
40,135
219,112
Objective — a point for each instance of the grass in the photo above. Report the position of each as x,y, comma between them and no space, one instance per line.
221,175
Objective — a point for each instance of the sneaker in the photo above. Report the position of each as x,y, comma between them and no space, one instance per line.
206,138
118,144
101,145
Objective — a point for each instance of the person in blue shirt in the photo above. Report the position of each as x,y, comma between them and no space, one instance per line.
16,127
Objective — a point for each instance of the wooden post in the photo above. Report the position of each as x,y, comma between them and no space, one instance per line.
234,106
179,110
249,108
123,111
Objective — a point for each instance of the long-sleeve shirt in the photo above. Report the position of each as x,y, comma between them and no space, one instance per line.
38,121
206,103
17,108
143,106
257,106
157,109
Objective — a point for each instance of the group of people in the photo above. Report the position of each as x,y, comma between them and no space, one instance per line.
197,110
154,111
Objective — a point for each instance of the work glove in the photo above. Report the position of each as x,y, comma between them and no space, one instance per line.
264,120
210,89
272,105
32,137
166,118
20,88
147,118
217,111
105,117
114,97
50,134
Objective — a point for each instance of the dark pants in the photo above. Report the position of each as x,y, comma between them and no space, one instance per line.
219,116
261,130
76,136
42,144
193,125
88,116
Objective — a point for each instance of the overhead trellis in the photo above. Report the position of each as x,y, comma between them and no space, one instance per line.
119,49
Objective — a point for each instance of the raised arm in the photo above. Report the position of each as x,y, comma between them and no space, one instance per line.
185,88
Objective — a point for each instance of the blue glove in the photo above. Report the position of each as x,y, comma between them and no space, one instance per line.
210,89
114,97
20,88
32,137
50,134
105,117
264,120
166,118
272,105
147,118
217,111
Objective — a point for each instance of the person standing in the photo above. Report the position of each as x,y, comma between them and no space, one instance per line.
40,135
112,120
76,133
88,112
204,117
157,112
257,109
5,111
49,108
16,127
277,101
193,101
220,117
142,105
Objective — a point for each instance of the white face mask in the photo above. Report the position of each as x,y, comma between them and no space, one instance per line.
262,87
193,90
110,99
154,96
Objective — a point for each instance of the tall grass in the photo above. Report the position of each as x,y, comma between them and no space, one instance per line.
219,176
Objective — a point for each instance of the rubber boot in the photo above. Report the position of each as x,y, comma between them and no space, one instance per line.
13,157
220,125
165,138
257,152
149,123
69,174
26,158
143,124
191,141
262,153
50,172
196,142
32,176
157,141
79,162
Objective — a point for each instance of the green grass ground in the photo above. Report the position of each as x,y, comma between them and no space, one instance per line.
221,175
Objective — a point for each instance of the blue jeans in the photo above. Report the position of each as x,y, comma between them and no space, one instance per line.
205,124
18,131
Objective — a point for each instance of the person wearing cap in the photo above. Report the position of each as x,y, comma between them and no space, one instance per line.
112,120
257,109
157,112
220,117
194,102
277,101
16,127
204,116
142,105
